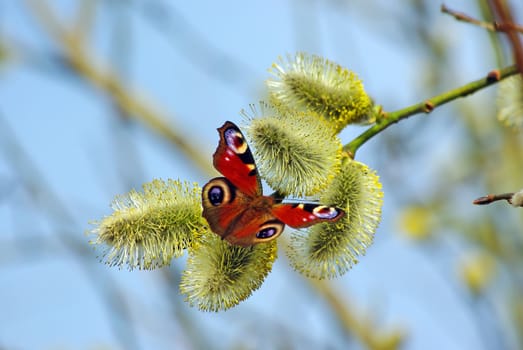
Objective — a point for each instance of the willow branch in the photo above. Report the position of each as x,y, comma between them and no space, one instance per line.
85,17
428,106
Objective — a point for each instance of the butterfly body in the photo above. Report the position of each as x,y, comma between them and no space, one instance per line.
234,205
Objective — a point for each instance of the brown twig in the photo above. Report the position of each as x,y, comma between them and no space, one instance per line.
502,12
491,26
489,198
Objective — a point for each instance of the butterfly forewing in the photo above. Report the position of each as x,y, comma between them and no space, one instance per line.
222,204
234,160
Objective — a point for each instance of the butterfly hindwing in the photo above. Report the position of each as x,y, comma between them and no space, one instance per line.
300,215
252,228
234,160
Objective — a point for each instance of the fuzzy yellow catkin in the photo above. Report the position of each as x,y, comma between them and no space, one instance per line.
219,275
311,83
330,249
510,102
517,199
296,153
148,229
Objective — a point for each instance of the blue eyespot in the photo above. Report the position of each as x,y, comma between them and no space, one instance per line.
235,141
216,195
323,212
266,233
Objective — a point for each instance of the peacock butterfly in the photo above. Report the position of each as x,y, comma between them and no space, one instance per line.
234,205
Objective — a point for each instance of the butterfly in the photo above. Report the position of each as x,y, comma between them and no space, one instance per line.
234,205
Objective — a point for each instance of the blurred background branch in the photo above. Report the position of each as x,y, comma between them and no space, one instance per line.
81,59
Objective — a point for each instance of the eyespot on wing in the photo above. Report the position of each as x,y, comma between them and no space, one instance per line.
299,215
234,160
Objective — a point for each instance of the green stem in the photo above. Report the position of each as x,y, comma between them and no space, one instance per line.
428,106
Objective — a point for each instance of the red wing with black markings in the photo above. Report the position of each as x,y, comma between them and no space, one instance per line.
234,160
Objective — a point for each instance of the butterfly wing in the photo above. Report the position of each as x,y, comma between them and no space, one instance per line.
236,217
300,215
253,227
222,204
234,160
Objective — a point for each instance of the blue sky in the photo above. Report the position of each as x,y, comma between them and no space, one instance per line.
201,68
